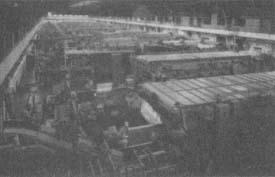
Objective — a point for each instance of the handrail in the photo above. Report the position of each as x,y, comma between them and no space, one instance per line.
252,35
8,62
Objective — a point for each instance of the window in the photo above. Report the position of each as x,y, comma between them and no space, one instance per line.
221,19
258,49
191,22
207,20
239,21
221,39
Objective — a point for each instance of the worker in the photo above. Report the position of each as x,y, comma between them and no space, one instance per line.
73,132
61,128
73,101
100,108
123,134
49,107
9,98
73,122
182,123
37,72
101,116
84,109
116,117
9,103
26,115
90,88
92,128
65,93
34,105
133,101
141,47
67,84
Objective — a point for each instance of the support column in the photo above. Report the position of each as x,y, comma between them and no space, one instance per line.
118,70
273,18
156,19
144,29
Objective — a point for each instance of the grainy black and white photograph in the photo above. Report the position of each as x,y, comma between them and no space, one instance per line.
137,88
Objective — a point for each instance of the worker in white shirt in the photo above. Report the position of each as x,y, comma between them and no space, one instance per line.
68,81
74,103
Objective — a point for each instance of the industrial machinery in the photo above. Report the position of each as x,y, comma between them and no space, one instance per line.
70,96
200,64
215,120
